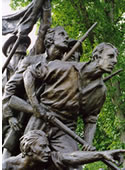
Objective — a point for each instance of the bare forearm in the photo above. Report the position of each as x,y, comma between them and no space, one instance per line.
80,158
89,132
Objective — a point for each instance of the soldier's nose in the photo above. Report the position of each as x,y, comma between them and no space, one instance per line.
115,60
48,150
66,37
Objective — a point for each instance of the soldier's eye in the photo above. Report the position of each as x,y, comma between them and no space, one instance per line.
61,33
111,55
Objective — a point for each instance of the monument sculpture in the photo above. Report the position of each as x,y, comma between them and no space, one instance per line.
36,154
48,94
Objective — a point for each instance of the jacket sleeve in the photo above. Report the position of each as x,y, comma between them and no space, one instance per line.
11,88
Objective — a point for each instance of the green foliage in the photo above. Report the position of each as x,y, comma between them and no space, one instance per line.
18,4
76,16
95,166
80,130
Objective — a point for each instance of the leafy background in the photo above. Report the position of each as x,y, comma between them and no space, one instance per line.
76,16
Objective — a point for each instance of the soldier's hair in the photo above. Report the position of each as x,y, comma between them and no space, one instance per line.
49,37
28,141
100,48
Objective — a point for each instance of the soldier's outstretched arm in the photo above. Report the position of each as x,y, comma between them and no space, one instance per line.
84,157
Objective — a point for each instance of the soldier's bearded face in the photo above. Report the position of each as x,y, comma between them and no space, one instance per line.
61,39
107,59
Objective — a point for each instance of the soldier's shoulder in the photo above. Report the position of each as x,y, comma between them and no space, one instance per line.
33,59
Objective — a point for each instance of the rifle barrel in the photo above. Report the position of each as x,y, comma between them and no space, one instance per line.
79,42
11,54
113,74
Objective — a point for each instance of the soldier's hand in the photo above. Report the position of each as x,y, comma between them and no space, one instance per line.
112,155
14,124
38,111
88,147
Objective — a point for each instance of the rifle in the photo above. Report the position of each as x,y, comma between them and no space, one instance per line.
111,75
21,105
11,53
78,43
16,44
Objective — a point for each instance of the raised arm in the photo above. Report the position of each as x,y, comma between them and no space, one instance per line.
45,23
30,18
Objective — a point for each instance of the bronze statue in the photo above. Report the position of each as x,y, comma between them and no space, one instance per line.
36,154
56,89
71,88
103,60
29,60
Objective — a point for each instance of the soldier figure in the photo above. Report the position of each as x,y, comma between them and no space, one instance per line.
18,56
36,155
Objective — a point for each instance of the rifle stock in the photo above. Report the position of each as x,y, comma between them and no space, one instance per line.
20,105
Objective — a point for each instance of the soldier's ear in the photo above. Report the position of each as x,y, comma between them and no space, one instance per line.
95,57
